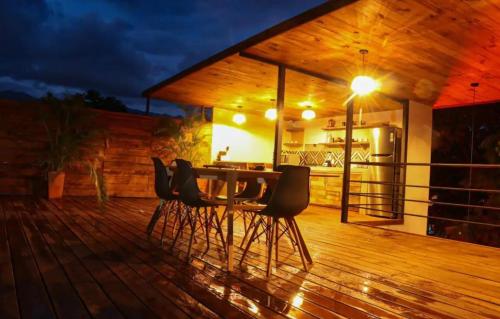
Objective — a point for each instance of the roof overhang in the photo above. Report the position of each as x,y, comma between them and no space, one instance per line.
424,50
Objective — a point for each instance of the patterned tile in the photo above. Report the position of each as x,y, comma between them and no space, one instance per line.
317,158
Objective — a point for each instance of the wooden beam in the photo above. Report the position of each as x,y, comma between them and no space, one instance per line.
321,76
280,104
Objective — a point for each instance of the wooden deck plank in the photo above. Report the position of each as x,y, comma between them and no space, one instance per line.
140,224
212,283
65,299
103,258
128,303
240,285
416,306
491,310
33,299
9,309
89,290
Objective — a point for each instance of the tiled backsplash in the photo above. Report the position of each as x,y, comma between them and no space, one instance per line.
317,158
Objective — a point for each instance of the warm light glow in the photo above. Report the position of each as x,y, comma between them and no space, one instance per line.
308,114
363,85
306,104
271,114
297,300
239,118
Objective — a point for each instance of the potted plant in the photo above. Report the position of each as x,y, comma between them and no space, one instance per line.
68,125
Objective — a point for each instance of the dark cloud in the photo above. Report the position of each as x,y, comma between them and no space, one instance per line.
121,47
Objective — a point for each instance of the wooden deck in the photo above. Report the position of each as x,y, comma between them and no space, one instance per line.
71,259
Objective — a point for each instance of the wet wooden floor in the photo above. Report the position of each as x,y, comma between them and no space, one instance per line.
72,259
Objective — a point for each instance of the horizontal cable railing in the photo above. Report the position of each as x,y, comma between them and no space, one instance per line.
390,199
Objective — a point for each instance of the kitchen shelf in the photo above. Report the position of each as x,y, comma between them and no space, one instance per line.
355,127
295,129
293,144
342,144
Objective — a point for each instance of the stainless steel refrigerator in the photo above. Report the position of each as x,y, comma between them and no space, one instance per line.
385,148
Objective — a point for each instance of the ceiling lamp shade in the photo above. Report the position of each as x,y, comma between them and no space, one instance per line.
364,85
239,118
308,114
271,114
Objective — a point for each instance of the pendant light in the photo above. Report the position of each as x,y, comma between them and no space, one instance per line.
364,84
239,118
271,114
308,114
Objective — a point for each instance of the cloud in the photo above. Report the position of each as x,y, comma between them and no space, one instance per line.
121,47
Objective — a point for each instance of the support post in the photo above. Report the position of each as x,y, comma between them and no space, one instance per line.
280,103
148,100
404,153
347,161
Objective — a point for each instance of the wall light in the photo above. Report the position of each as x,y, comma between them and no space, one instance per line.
308,114
271,114
239,118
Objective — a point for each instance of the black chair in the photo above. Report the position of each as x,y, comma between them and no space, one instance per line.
191,197
169,201
289,198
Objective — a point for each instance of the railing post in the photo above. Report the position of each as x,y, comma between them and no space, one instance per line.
347,161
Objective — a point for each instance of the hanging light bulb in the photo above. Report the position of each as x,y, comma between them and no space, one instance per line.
308,114
239,118
364,84
271,114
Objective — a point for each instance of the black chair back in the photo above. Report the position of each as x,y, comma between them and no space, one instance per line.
162,180
291,193
189,192
252,189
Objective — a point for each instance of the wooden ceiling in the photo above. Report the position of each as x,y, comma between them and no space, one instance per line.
424,50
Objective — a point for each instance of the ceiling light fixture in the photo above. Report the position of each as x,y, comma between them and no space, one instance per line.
271,114
239,118
308,114
364,84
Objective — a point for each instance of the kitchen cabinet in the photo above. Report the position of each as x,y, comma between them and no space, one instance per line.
326,189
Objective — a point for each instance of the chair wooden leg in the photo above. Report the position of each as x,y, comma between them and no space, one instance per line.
270,244
166,213
193,231
177,217
277,235
182,223
208,222
247,230
220,231
299,246
154,218
302,242
250,240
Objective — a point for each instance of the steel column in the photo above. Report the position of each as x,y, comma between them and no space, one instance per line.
280,103
347,160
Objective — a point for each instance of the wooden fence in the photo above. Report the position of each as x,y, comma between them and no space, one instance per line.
125,153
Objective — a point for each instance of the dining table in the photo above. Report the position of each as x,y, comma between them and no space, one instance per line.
231,176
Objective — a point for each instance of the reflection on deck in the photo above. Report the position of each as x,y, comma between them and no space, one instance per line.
73,259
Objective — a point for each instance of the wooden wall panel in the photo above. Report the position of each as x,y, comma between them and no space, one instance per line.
125,155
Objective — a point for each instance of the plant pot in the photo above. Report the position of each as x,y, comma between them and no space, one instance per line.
55,184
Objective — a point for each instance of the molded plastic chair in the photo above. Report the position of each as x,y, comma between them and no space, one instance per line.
168,200
190,195
289,198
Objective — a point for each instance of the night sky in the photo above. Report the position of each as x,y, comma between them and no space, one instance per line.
121,47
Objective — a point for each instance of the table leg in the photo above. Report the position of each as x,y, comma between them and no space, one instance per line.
231,187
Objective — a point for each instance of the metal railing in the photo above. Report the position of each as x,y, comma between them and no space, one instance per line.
399,197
